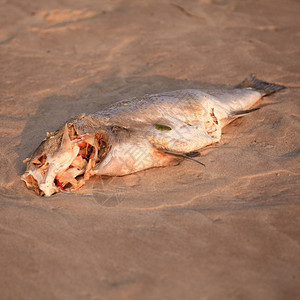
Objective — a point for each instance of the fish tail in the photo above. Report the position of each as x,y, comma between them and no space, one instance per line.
265,88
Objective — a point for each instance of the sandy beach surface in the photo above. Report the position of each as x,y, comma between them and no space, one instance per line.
227,231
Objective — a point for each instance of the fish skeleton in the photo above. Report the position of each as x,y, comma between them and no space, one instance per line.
136,134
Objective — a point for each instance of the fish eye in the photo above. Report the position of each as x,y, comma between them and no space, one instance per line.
39,161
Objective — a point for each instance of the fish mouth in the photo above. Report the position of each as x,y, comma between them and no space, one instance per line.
70,165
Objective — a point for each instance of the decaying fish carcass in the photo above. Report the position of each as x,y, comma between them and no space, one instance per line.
137,134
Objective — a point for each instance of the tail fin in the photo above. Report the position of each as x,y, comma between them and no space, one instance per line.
265,88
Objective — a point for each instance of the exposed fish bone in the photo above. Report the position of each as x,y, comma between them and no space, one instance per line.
137,134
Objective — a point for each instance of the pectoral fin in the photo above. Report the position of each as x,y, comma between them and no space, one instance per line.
184,155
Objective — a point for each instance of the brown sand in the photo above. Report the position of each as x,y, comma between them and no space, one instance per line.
227,231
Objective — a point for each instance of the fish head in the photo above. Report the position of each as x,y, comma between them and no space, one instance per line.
66,158
54,156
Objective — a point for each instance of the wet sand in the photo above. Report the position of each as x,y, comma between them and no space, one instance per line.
227,231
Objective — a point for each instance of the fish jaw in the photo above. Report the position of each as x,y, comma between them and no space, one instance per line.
59,164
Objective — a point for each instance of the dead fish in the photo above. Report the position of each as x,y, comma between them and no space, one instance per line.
137,134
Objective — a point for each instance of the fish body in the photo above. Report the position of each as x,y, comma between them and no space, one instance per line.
137,134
